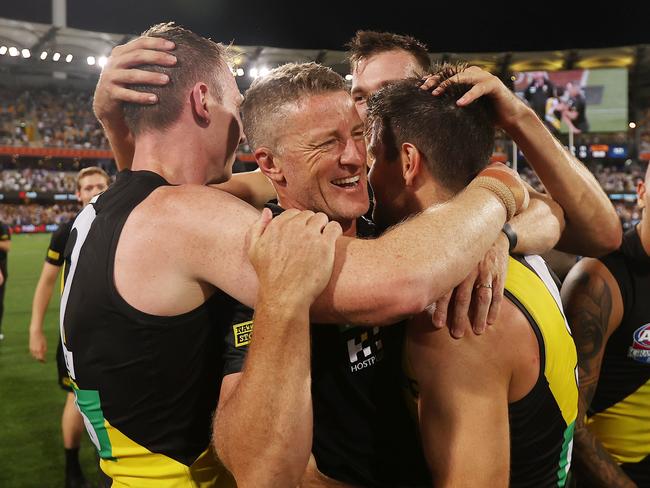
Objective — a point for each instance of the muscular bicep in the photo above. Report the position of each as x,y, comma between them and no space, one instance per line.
220,253
463,408
594,308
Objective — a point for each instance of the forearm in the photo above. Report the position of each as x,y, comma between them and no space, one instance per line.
384,280
592,226
539,227
5,246
594,466
121,141
42,297
263,431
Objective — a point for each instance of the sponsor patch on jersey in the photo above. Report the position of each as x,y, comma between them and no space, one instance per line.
53,254
640,350
243,333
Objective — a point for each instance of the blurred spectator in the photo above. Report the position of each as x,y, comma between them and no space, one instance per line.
49,117
34,214
617,180
42,180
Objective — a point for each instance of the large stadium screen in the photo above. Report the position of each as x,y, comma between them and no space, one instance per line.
580,100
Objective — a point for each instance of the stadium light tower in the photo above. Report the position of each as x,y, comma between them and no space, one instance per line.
59,13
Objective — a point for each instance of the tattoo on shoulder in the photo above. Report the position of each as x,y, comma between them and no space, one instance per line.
589,314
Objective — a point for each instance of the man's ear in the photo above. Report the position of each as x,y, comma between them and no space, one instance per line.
269,165
640,192
198,99
411,160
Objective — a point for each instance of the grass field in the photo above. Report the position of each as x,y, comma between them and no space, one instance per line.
31,402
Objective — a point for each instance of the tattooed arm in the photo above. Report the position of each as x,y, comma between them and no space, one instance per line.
594,308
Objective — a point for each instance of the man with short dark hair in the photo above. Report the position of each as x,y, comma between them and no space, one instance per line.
520,374
90,182
592,226
394,57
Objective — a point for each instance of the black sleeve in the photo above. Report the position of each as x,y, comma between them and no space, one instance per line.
5,233
237,339
57,245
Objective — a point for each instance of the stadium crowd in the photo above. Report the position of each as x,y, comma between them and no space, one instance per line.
37,214
49,117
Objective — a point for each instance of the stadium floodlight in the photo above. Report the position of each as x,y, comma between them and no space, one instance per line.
264,71
13,52
56,56
3,50
68,58
43,55
26,53
253,73
632,125
102,61
240,71
348,77
90,60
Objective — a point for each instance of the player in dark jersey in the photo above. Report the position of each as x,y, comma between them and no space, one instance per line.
608,306
513,421
90,182
5,247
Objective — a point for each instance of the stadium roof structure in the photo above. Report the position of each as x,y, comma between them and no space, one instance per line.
28,48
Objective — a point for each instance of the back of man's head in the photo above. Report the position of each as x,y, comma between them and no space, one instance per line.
268,97
456,141
366,44
198,59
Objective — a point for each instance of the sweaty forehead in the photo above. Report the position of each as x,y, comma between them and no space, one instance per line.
324,111
372,73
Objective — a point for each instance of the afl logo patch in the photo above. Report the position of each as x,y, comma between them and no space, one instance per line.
640,350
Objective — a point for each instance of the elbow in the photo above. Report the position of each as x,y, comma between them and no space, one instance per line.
609,239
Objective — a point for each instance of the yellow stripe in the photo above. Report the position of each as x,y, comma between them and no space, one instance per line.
624,428
137,466
53,254
62,279
560,373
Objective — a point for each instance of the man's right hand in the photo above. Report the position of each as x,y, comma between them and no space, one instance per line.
293,254
120,72
37,344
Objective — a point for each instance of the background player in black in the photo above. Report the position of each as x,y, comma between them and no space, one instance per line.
607,303
90,182
5,247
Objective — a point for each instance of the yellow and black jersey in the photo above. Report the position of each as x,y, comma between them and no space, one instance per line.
146,385
619,415
542,423
57,245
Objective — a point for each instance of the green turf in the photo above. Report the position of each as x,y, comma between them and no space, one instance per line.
31,402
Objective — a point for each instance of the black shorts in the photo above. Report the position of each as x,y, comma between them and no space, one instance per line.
64,378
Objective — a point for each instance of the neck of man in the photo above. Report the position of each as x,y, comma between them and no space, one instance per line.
349,226
428,193
173,154
644,232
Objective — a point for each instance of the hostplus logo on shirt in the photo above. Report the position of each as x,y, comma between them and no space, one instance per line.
640,350
365,350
